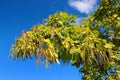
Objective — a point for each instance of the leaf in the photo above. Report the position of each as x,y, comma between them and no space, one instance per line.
57,61
61,23
115,15
109,45
91,45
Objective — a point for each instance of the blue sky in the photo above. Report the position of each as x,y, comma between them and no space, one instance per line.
19,15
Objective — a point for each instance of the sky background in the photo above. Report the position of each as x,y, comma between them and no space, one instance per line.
20,15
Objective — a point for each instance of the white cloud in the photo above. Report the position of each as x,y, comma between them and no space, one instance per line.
84,6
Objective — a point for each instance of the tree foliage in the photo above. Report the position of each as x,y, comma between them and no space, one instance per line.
93,46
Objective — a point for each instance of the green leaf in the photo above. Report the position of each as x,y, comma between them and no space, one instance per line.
109,45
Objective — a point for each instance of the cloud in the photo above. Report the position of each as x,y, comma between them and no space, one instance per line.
84,6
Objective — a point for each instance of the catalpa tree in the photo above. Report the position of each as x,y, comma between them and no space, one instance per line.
93,46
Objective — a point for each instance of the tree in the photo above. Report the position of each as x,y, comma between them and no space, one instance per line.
93,47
